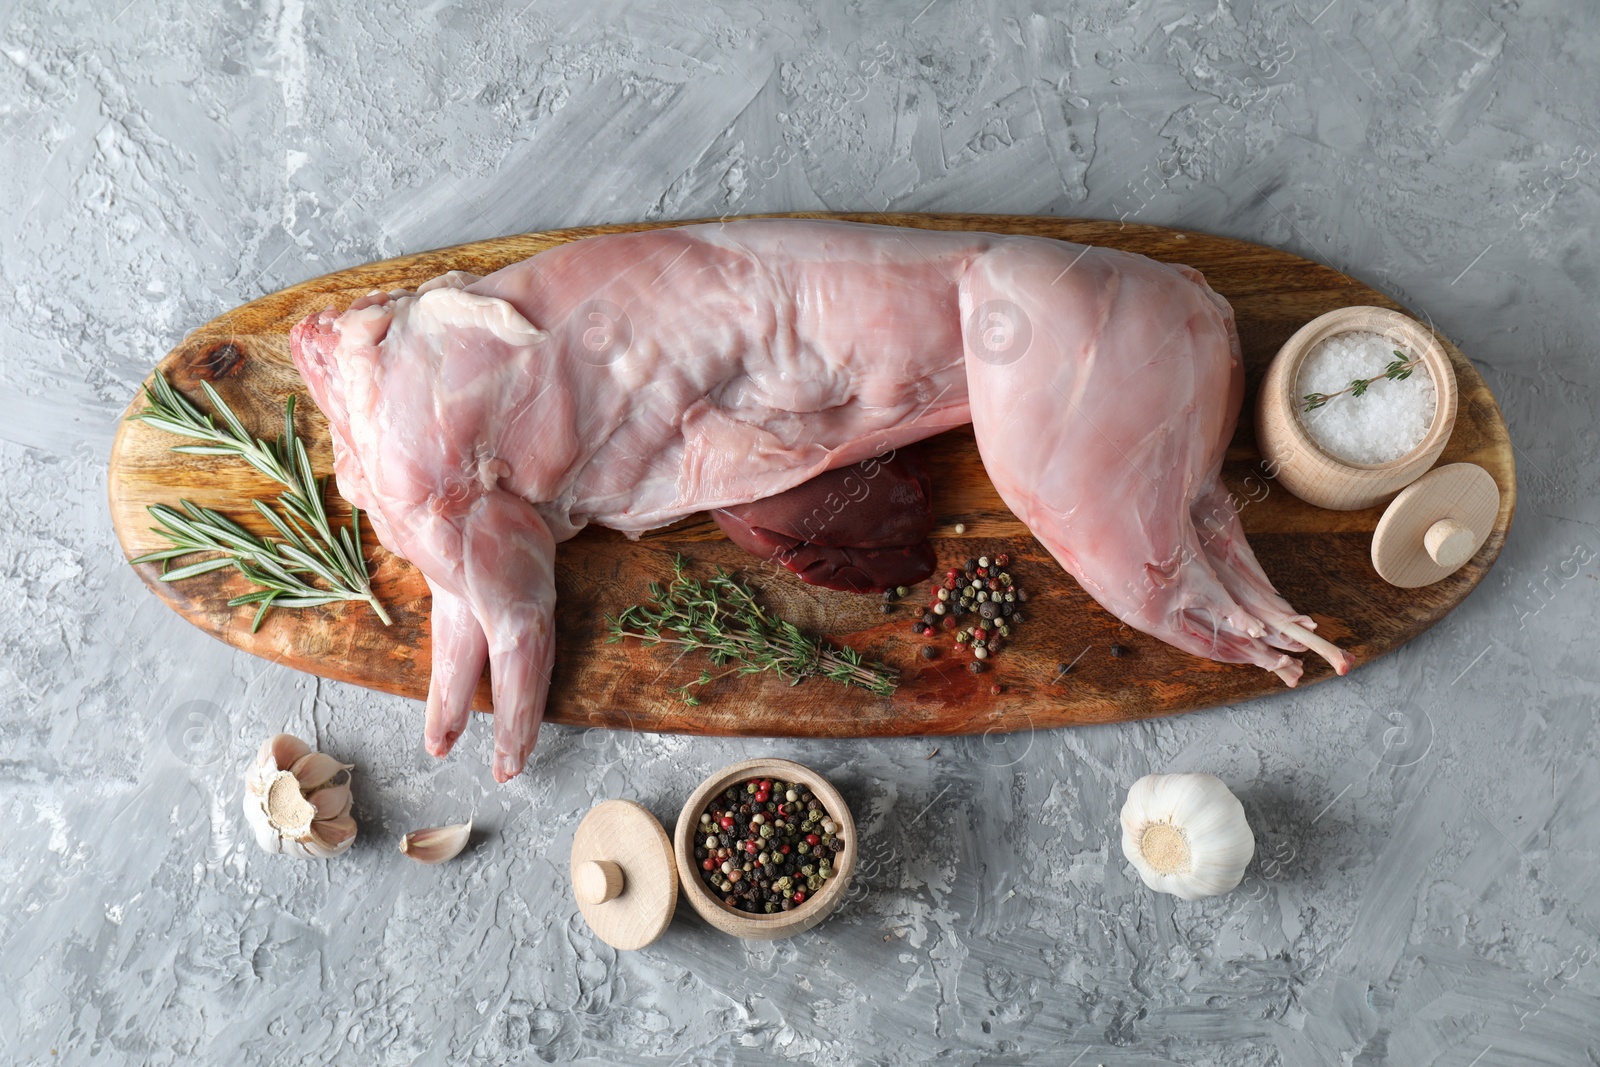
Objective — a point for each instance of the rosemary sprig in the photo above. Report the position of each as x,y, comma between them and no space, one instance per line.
307,549
721,617
1398,370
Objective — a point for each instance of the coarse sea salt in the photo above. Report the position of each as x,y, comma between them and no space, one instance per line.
1384,423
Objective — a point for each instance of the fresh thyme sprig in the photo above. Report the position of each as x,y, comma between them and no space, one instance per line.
309,549
1398,370
721,617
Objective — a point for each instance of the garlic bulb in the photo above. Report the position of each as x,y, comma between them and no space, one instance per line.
298,801
1186,834
437,844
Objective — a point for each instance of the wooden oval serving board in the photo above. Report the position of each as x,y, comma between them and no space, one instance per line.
1318,559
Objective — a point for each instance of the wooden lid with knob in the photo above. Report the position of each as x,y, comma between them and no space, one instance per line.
623,874
1435,525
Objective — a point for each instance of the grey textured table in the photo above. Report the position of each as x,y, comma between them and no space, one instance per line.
1429,841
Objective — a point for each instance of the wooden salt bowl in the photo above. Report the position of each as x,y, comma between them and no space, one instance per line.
1300,464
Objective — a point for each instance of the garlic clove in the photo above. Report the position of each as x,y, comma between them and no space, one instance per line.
323,841
437,844
330,837
318,769
1186,834
332,802
281,752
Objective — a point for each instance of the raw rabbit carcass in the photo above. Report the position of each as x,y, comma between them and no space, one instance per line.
631,379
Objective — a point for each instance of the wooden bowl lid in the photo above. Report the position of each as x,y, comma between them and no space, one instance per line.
1435,525
623,874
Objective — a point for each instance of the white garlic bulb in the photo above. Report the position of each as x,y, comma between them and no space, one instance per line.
1186,834
298,801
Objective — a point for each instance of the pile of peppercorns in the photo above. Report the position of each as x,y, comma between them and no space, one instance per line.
983,588
765,846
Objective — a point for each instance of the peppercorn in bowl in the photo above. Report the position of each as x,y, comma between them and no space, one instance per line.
765,849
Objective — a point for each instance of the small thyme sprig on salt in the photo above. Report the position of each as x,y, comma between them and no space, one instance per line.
721,617
1398,370
286,569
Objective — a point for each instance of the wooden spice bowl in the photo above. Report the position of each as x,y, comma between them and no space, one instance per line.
1300,464
784,923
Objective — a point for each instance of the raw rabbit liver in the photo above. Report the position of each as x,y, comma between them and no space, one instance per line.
862,528
632,379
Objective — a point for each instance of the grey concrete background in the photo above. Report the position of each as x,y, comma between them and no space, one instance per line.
1429,829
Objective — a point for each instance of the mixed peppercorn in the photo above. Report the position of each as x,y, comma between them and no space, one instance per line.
766,846
983,587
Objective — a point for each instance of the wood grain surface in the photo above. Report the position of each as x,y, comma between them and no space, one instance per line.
1319,559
